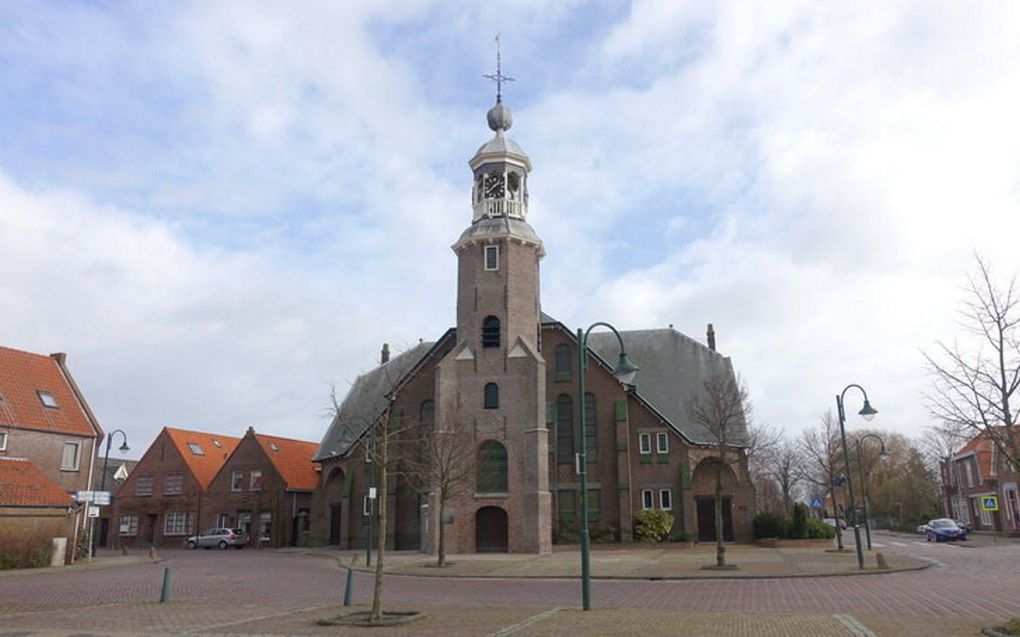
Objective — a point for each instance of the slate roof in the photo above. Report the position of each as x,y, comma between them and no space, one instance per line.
366,399
674,368
292,459
22,484
22,376
205,466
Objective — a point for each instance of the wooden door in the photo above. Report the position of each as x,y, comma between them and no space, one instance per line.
491,530
335,520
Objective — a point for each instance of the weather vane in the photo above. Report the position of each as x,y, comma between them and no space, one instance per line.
498,78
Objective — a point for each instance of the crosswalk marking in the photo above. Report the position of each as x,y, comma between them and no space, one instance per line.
899,543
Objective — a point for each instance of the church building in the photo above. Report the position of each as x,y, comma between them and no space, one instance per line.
504,382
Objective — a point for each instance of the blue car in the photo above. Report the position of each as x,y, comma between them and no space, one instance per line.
945,530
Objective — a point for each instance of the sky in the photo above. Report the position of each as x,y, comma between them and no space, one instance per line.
219,209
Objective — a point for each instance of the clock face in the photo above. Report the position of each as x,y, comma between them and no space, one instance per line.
494,186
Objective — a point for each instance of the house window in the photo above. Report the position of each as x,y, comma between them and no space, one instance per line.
196,449
665,499
265,525
564,429
3,441
69,458
223,521
986,518
143,484
591,429
492,468
244,522
662,442
565,510
490,332
644,443
255,480
564,362
177,523
174,483
594,505
491,396
237,480
647,499
491,257
971,477
47,399
129,525
427,412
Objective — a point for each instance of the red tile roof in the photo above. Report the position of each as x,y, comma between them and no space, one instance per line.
23,484
206,465
22,376
292,459
982,446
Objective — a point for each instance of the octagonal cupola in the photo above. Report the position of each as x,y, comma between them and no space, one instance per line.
500,171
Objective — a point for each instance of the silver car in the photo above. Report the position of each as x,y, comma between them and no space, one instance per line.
222,538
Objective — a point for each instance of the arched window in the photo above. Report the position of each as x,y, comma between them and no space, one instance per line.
564,363
591,429
564,429
492,468
427,412
490,332
491,396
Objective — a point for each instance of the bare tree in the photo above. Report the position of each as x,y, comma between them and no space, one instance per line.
443,465
782,466
821,454
724,410
974,383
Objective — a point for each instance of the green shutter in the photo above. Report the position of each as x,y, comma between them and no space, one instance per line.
621,410
594,505
685,475
565,509
550,415
345,490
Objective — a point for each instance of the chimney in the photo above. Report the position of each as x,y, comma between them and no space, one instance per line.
711,337
251,430
385,356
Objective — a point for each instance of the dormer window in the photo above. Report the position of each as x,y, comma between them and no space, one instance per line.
492,257
196,449
47,399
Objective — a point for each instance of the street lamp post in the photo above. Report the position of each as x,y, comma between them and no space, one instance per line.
864,482
369,450
625,372
867,412
102,480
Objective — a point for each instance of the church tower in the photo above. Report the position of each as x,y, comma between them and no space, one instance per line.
491,386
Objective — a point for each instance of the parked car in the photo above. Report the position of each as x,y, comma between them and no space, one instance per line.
966,526
923,529
945,530
832,522
222,538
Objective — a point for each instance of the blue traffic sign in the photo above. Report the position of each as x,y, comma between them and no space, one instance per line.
816,504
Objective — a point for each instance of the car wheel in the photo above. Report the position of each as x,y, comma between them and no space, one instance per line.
927,536
192,545
223,544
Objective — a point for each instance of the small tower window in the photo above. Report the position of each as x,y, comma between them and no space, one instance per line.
490,332
491,476
491,396
491,257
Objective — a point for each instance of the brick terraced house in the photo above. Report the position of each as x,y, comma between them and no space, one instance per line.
163,499
505,381
47,424
977,470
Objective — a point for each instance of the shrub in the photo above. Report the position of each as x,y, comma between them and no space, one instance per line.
798,529
602,534
1013,627
18,550
652,525
817,530
768,524
680,536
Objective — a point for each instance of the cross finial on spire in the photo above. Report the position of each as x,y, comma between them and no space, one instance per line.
498,78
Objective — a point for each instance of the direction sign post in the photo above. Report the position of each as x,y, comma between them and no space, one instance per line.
989,503
816,504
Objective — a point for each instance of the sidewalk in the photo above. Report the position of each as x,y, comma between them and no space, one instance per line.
672,562
97,563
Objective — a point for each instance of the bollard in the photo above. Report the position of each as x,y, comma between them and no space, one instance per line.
349,587
164,595
882,564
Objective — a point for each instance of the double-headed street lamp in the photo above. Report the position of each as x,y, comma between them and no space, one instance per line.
864,483
867,412
102,481
625,372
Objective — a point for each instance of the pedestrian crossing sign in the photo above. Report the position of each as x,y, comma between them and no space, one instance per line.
816,503
989,503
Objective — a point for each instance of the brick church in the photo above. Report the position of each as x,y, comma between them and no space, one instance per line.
505,381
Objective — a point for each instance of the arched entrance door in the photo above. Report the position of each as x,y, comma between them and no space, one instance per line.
491,530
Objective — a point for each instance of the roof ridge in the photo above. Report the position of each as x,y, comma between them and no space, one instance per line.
25,351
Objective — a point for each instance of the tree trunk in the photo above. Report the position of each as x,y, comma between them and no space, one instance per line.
376,614
442,528
720,548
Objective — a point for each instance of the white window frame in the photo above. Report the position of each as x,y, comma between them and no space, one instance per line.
986,516
265,525
491,249
196,449
77,455
366,506
645,444
130,529
222,520
237,480
971,472
178,483
181,523
661,442
666,504
255,473
48,400
647,499
145,478
3,441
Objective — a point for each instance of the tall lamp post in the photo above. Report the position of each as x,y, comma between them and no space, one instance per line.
102,481
867,412
369,450
864,483
625,372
